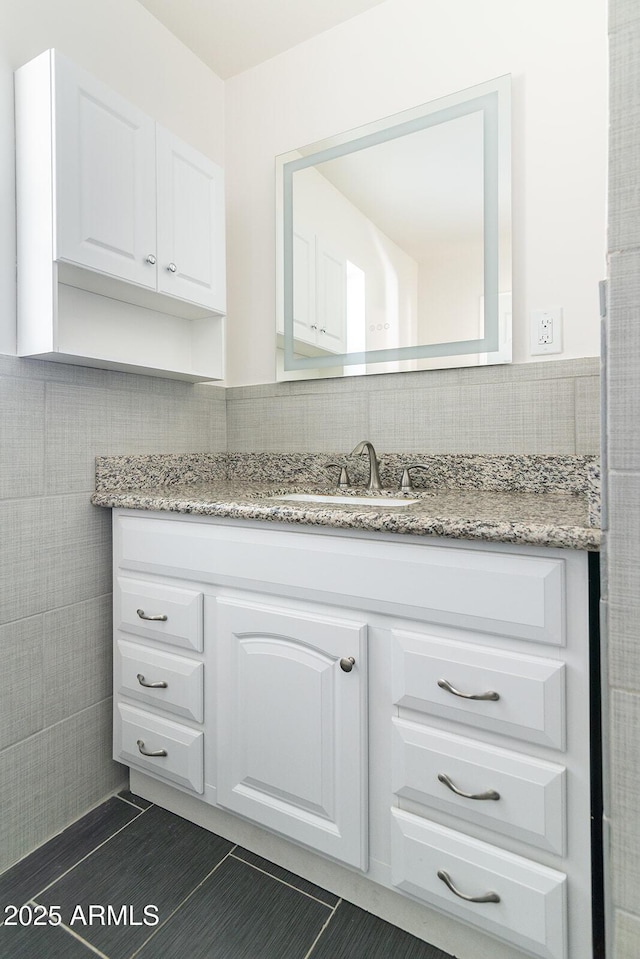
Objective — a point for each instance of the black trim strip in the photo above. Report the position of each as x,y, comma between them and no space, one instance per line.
595,713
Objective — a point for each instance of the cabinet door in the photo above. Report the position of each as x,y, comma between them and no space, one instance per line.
331,294
191,261
304,280
105,178
291,724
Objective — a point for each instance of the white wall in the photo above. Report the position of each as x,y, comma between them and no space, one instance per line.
403,53
122,44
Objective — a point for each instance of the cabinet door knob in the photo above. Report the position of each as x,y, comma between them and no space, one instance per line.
489,794
172,268
151,259
150,752
445,684
347,663
156,618
487,897
143,682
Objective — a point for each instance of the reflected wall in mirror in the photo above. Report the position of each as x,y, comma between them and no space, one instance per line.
394,242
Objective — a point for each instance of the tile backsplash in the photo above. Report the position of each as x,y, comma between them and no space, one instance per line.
548,407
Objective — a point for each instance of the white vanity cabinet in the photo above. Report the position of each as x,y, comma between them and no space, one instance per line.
120,231
413,709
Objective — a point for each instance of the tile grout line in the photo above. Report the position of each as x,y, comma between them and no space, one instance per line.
75,935
135,805
95,849
277,879
181,904
322,931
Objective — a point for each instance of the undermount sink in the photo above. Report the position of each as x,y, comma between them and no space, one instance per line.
349,500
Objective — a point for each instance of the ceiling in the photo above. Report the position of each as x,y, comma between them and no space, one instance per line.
233,35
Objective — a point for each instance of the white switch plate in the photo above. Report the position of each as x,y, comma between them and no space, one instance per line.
546,331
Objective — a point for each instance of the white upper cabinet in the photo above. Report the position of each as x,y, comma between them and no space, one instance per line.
331,293
319,295
121,235
105,158
190,223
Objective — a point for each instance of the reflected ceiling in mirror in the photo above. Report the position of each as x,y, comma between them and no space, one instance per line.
394,242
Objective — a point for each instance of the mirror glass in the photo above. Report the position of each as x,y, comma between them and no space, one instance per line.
394,242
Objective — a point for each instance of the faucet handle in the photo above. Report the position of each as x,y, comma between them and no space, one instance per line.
344,482
405,482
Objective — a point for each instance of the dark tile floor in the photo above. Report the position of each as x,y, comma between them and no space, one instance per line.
132,880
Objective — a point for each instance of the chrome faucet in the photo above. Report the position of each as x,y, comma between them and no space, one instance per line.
374,474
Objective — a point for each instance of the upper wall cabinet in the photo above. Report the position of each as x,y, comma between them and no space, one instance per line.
320,296
120,232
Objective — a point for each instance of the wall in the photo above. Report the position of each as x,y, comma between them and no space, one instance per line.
55,561
530,408
406,52
621,593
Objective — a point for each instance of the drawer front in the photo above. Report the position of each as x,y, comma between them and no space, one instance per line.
513,794
172,683
520,696
504,593
181,608
531,911
136,731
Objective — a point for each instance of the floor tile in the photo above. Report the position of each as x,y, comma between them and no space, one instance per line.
156,861
138,801
24,880
280,873
356,934
240,913
29,942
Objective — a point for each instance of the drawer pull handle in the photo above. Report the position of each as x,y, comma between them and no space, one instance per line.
150,752
445,684
489,794
347,663
488,897
159,685
157,618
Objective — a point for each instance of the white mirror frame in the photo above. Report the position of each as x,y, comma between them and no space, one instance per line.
493,100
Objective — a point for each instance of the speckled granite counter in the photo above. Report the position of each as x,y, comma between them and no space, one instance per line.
534,500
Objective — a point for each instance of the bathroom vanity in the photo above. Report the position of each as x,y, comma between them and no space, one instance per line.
405,717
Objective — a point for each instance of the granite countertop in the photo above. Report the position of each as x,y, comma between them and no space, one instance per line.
553,505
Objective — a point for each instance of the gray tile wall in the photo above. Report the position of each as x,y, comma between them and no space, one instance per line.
55,560
55,576
621,554
549,407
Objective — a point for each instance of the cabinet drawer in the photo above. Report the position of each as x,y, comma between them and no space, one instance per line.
490,591
182,608
525,798
527,692
183,762
138,670
531,911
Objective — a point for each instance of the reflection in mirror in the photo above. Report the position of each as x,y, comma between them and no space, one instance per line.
395,242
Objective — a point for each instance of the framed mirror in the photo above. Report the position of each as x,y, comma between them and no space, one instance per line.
394,242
